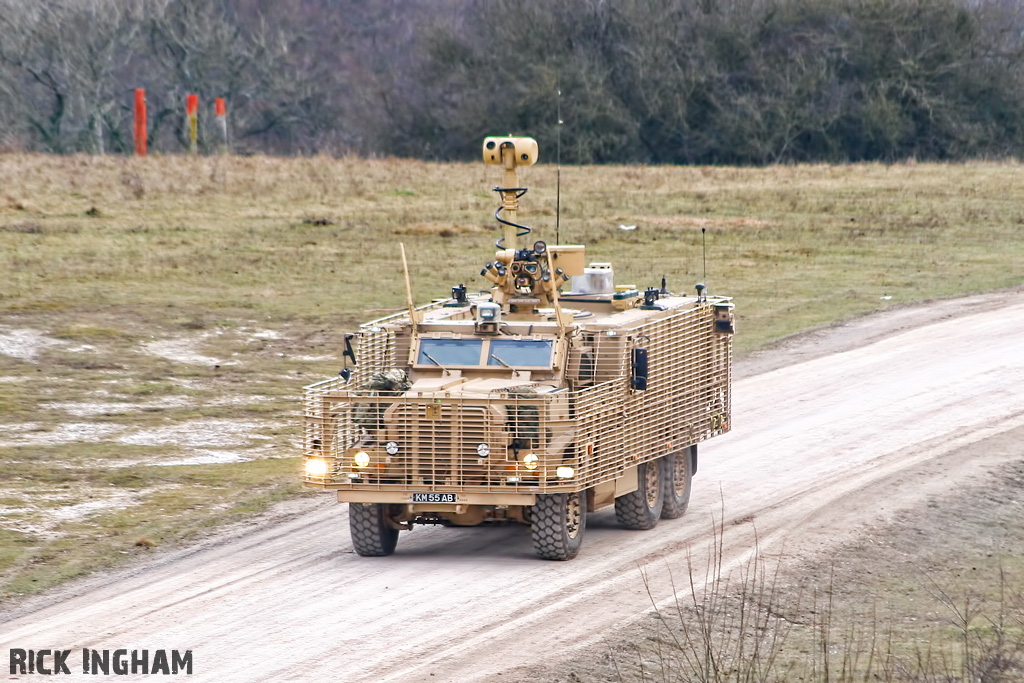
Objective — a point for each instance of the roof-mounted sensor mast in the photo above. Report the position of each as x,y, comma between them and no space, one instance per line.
510,153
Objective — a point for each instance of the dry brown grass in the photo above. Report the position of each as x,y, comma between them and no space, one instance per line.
797,246
151,296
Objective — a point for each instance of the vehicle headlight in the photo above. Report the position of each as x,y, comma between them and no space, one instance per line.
530,461
315,467
391,448
483,450
361,459
565,472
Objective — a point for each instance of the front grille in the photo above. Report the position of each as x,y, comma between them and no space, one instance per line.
438,444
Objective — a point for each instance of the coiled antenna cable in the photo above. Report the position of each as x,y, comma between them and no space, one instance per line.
524,229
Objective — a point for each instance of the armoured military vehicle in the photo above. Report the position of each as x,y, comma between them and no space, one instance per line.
550,395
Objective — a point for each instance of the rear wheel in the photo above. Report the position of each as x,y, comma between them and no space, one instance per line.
642,508
372,536
558,523
677,478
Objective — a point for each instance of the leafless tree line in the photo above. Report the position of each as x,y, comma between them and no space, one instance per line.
299,76
664,81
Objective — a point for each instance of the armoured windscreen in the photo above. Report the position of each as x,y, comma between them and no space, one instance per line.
520,353
454,352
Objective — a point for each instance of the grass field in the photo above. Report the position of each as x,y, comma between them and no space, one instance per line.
159,316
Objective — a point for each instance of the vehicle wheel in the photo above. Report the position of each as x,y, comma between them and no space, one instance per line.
677,478
559,520
642,508
372,536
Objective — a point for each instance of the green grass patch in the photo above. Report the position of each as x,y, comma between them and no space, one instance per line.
15,548
17,400
84,332
173,505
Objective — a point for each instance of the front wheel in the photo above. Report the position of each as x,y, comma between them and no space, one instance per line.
559,520
372,536
677,478
642,508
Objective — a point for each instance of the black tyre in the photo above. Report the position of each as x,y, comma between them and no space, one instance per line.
677,479
641,509
372,536
558,523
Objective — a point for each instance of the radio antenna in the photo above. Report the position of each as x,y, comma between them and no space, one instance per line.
408,290
558,172
704,249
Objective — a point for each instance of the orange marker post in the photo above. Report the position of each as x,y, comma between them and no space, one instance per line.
192,108
140,122
222,123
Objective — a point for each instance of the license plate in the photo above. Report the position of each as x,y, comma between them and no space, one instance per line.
434,498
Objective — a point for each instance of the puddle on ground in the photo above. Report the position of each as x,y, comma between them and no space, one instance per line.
26,434
24,344
90,409
197,433
182,350
207,457
44,521
186,349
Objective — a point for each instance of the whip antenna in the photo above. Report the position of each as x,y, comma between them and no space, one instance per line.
408,290
704,249
558,172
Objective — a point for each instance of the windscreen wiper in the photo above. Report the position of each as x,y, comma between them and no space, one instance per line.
502,362
433,360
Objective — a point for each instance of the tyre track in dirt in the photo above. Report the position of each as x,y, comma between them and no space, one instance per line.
812,445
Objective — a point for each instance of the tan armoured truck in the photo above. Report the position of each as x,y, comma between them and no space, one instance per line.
551,395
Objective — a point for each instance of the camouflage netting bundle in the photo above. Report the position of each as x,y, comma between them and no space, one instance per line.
391,382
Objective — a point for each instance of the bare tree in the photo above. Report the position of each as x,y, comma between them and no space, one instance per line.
64,64
665,81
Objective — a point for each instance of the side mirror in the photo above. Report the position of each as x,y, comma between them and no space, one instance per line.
348,352
638,365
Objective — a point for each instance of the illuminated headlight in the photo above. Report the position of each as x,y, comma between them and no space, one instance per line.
483,450
391,447
565,472
530,461
315,467
513,480
361,459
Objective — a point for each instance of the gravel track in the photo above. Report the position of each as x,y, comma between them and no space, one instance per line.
827,428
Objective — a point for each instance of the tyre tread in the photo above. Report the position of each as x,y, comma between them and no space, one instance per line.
550,541
674,507
631,510
371,535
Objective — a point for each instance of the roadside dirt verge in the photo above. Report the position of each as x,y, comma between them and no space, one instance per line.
904,566
830,455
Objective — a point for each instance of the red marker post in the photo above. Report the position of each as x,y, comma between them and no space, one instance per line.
140,122
222,123
192,108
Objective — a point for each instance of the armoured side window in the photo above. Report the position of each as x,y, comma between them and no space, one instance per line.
638,370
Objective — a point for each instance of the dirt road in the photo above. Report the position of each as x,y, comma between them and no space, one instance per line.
825,430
